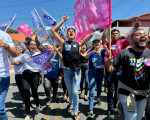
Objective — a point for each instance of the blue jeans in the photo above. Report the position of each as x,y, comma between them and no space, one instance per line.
84,76
72,87
140,108
4,85
95,75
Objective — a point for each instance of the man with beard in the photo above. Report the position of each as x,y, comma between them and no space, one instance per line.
134,81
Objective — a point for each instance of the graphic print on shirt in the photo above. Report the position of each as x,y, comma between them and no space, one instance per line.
97,61
113,47
67,47
140,68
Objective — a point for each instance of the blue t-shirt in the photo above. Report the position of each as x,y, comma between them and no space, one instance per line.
96,60
55,72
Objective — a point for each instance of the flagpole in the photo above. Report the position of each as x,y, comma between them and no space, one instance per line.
110,42
44,27
10,22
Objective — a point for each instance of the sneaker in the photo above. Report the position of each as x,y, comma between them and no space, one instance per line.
111,115
98,101
90,114
48,102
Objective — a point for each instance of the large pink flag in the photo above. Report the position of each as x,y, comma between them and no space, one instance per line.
91,15
24,28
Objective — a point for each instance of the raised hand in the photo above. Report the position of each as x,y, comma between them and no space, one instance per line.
138,23
65,18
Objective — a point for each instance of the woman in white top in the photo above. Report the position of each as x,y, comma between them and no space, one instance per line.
30,77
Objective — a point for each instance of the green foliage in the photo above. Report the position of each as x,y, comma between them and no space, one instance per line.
13,31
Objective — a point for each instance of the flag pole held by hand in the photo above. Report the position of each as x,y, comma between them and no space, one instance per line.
110,45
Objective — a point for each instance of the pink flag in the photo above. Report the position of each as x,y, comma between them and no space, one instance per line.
24,28
99,14
91,15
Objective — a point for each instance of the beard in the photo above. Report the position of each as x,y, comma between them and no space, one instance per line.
138,45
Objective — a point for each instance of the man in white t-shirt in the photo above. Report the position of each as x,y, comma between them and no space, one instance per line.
6,48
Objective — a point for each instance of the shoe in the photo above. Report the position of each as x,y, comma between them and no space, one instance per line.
115,110
90,114
27,117
111,115
37,109
85,98
70,110
48,102
98,101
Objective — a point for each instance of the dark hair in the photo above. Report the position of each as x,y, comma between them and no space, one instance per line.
32,40
134,32
114,30
28,38
69,29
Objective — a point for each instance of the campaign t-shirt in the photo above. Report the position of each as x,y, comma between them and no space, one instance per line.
96,60
4,64
135,69
117,47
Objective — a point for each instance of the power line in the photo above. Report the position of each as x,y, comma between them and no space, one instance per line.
27,3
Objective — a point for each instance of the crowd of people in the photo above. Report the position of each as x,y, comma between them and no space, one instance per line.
125,70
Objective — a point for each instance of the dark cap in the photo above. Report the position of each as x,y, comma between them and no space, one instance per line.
96,40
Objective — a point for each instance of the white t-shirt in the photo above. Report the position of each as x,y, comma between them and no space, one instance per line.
29,64
18,68
4,64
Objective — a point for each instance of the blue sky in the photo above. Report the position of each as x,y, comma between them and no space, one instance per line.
121,9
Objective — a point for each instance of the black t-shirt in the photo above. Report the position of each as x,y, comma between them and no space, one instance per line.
135,72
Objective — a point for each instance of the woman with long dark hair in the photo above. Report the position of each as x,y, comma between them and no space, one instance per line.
30,77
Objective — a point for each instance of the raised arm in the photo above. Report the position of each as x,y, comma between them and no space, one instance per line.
56,36
136,26
104,36
86,39
107,51
60,55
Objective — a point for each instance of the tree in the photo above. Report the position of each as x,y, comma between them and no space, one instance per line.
13,31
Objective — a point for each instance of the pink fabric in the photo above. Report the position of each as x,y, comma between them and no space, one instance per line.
82,28
24,28
117,47
99,14
90,16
